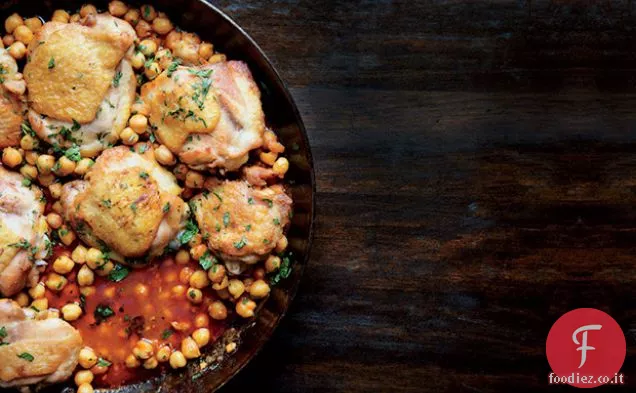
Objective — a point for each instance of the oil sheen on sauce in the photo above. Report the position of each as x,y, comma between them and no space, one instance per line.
147,312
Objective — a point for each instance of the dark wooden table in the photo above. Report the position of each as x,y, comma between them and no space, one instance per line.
476,178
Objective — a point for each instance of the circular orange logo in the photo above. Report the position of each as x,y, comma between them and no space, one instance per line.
585,348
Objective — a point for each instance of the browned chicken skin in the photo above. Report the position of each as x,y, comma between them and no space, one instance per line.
12,101
23,234
81,85
35,351
127,202
210,116
241,222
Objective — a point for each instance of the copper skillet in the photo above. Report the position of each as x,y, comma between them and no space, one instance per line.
282,116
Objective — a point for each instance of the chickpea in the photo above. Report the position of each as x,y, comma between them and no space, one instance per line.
63,265
138,60
223,294
206,50
199,279
75,18
221,285
38,291
12,22
66,235
87,357
272,263
45,163
182,257
195,296
79,254
152,70
46,180
184,275
148,12
94,258
84,376
138,123
163,354
229,348
201,337
178,291
34,24
177,360
64,167
40,304
151,363
117,8
23,34
143,349
56,190
217,58
83,166
268,158
281,245
132,361
88,9
259,289
198,251
11,157
245,307
236,288
128,136
55,282
132,16
162,25
85,388
57,207
87,291
217,310
281,166
143,29
29,171
60,16
31,157
8,40
142,290
22,299
148,47
194,179
189,348
85,276
105,269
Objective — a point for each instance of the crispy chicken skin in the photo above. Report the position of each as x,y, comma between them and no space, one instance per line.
211,116
12,100
53,344
242,223
127,202
23,232
81,84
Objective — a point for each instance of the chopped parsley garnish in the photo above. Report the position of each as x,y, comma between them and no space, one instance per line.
250,200
1,343
173,67
146,11
269,202
248,227
27,130
3,332
241,243
192,294
25,245
76,125
26,182
143,175
107,203
200,73
103,312
216,194
284,271
26,356
166,207
73,153
226,219
166,334
51,63
118,273
103,362
3,71
276,221
189,232
116,79
133,207
207,260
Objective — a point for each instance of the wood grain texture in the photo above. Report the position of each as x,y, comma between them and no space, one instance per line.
476,177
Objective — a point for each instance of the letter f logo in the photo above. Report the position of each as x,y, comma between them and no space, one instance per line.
583,344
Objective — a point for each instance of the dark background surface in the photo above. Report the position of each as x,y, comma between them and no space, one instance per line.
476,179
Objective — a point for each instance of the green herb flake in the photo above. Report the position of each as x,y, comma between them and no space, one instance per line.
26,182
144,175
23,244
226,219
3,332
51,63
103,312
133,207
116,79
276,221
166,334
73,154
166,207
207,260
107,203
188,233
241,243
118,273
103,362
26,356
